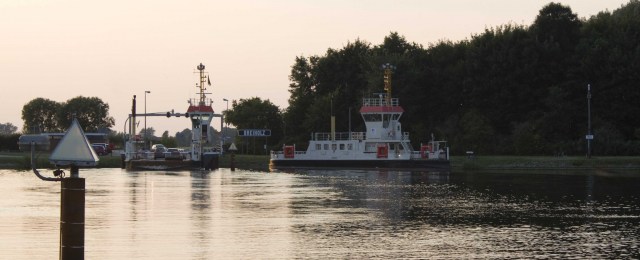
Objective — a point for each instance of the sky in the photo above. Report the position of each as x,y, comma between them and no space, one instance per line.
61,49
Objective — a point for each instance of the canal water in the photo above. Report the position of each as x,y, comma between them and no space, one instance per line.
330,214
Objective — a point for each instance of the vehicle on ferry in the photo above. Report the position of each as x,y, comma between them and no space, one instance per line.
383,145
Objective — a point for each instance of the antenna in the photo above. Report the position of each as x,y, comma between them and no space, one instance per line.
203,79
388,70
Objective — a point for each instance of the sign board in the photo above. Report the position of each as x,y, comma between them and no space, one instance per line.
589,137
254,132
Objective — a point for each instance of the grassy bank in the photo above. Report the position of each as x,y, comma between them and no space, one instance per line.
246,162
21,161
544,162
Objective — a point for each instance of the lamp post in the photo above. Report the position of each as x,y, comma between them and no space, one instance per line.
589,132
223,130
145,117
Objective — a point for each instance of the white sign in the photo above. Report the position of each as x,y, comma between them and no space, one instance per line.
589,137
254,132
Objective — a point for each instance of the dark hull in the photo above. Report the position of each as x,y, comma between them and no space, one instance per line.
161,165
210,163
361,164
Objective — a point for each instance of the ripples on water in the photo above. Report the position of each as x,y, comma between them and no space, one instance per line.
329,214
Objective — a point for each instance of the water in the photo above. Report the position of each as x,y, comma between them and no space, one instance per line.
330,214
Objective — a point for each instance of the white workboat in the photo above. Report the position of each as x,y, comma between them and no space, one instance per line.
383,145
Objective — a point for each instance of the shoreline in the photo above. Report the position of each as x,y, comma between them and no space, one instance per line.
21,161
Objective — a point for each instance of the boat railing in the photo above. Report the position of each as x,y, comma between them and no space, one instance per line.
278,154
379,102
358,135
339,136
139,155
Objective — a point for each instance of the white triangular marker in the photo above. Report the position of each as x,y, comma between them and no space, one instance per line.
74,148
232,147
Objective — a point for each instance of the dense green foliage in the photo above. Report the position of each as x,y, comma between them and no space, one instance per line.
513,89
39,116
8,137
42,115
92,114
8,129
255,113
9,142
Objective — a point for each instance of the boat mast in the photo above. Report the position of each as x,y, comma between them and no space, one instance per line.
202,88
200,115
388,70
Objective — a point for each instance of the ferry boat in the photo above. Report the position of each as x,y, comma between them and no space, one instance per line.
383,145
201,155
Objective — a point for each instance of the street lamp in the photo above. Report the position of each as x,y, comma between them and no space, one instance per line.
589,136
223,130
145,117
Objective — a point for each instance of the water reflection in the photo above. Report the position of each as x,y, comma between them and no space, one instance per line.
331,214
200,214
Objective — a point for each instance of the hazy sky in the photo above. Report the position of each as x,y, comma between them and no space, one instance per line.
60,49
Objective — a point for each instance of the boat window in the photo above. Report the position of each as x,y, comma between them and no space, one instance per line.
333,147
385,122
396,116
370,147
341,146
372,117
349,146
318,147
326,146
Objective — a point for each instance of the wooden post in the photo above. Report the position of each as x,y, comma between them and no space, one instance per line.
72,204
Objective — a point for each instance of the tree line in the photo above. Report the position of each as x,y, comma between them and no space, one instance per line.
512,89
42,115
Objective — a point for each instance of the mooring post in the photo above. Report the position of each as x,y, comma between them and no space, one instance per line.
73,150
72,216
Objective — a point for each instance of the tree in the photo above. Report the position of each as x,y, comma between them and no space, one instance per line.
478,134
92,113
610,59
116,138
39,115
168,141
7,129
255,113
557,24
301,89
148,133
511,89
183,138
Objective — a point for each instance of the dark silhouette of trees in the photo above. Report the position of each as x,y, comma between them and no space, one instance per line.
255,113
44,115
39,116
512,89
8,129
